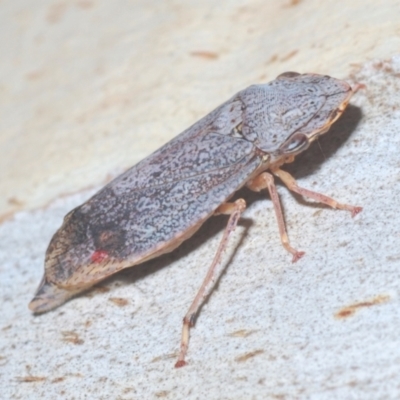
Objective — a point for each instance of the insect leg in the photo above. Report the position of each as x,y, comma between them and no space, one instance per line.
229,208
291,184
235,210
266,181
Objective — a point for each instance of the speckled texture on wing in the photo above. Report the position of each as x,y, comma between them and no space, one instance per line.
134,215
158,203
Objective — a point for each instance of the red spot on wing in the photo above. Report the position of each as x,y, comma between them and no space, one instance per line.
98,256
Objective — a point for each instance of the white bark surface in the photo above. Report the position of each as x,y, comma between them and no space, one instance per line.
87,89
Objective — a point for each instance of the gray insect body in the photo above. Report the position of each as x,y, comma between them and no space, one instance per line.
151,208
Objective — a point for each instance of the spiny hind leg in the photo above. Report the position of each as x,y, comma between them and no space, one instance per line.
235,210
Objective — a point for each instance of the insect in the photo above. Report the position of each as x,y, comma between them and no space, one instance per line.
153,207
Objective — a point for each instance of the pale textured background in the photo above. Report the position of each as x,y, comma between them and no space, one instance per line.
88,88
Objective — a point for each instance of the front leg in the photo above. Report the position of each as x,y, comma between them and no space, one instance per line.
292,185
266,181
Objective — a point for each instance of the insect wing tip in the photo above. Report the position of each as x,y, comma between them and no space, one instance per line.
48,296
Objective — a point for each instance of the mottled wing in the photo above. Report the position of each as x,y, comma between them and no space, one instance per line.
154,205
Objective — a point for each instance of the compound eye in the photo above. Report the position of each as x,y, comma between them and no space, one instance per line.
295,144
288,74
